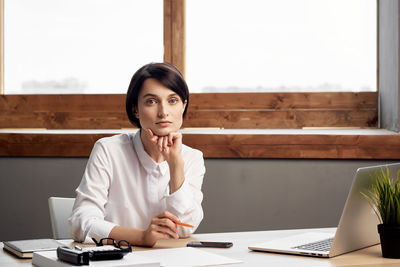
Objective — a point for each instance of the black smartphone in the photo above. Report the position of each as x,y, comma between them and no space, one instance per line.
209,244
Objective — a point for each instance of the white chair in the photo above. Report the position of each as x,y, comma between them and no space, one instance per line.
60,210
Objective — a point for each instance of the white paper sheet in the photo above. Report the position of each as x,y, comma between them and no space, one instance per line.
186,256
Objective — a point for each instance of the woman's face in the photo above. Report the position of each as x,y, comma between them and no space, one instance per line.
159,108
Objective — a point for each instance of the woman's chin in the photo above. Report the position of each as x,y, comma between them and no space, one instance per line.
162,131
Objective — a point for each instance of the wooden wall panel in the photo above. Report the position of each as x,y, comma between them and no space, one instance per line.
212,101
287,119
48,145
221,145
297,146
290,110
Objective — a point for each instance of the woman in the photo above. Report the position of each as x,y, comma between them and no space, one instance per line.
137,186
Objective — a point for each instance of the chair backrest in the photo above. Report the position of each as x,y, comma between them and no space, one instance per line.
60,210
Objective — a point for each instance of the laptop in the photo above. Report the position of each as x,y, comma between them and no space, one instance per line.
357,226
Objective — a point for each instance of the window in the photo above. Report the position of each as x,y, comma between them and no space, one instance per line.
225,110
78,46
281,46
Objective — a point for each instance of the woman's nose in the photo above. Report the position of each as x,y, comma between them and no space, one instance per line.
162,111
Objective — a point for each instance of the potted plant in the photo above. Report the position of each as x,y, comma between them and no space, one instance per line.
384,197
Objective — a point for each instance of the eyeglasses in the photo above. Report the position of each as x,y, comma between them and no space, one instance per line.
120,244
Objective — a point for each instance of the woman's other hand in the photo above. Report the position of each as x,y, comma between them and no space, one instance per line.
161,227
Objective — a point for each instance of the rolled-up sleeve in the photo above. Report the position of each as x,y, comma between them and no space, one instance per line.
186,201
87,218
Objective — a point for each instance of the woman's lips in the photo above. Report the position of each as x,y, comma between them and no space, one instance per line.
163,123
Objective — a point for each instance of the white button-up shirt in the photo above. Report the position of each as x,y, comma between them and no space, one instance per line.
122,185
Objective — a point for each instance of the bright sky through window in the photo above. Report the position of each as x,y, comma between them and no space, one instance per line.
281,45
94,46
79,46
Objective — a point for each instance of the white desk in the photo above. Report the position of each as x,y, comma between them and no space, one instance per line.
366,257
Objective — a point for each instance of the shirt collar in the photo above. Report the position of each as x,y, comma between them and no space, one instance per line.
147,162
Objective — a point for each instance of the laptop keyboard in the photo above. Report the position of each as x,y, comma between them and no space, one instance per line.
323,245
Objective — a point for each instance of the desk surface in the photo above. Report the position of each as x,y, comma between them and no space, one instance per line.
241,240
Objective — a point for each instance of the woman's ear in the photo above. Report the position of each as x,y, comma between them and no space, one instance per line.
134,111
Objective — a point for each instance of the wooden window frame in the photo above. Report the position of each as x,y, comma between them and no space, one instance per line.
219,110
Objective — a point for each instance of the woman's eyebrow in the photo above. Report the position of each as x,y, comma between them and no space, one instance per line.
150,95
153,95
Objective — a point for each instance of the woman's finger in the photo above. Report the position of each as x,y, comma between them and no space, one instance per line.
170,139
150,132
165,222
169,215
160,143
176,137
165,226
155,232
151,135
166,232
165,143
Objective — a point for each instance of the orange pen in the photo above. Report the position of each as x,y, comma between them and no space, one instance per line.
183,224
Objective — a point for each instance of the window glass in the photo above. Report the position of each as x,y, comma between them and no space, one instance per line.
79,46
281,45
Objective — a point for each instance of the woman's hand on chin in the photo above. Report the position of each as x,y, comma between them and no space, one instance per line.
170,146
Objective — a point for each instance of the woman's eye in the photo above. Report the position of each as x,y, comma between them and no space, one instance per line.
173,100
150,101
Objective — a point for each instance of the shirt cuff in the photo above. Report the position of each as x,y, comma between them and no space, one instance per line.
100,229
180,201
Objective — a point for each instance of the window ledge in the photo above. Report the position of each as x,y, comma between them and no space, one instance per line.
318,143
304,131
216,131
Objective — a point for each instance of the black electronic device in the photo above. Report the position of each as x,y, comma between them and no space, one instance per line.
82,256
209,244
74,256
106,253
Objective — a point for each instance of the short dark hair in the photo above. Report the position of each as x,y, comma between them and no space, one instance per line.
165,73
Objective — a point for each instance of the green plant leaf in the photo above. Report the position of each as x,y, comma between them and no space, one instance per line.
384,196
